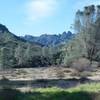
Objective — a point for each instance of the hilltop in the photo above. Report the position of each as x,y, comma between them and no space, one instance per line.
50,40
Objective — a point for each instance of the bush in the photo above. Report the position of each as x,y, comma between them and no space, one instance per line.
81,64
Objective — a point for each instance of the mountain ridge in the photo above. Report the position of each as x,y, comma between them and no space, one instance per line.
15,51
49,40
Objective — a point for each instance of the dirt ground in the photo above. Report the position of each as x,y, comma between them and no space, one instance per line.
48,73
28,78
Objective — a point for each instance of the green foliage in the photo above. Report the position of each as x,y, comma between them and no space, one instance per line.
87,24
86,43
82,92
73,50
6,58
15,51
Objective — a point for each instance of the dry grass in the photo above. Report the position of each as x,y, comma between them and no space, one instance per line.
48,73
37,73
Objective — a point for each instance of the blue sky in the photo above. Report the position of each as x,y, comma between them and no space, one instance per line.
36,17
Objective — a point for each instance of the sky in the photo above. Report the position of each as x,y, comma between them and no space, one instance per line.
36,17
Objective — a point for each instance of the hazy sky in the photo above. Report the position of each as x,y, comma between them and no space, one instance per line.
36,17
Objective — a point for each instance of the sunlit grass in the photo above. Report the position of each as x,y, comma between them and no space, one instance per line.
81,92
94,87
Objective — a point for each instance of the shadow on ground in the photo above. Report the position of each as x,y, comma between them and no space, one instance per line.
44,83
10,94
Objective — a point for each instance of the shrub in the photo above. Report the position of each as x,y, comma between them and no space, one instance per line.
81,64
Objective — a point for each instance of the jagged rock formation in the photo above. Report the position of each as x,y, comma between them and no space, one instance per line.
50,40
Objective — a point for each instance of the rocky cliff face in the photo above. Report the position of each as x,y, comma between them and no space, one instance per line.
50,40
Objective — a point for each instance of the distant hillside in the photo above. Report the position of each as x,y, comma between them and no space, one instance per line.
30,51
18,52
49,40
15,51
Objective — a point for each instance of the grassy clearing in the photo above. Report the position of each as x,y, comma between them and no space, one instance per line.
93,87
82,92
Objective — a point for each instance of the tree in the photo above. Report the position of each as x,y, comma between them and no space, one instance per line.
28,55
87,25
19,55
45,51
7,59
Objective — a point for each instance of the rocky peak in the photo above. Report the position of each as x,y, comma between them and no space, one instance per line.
3,28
